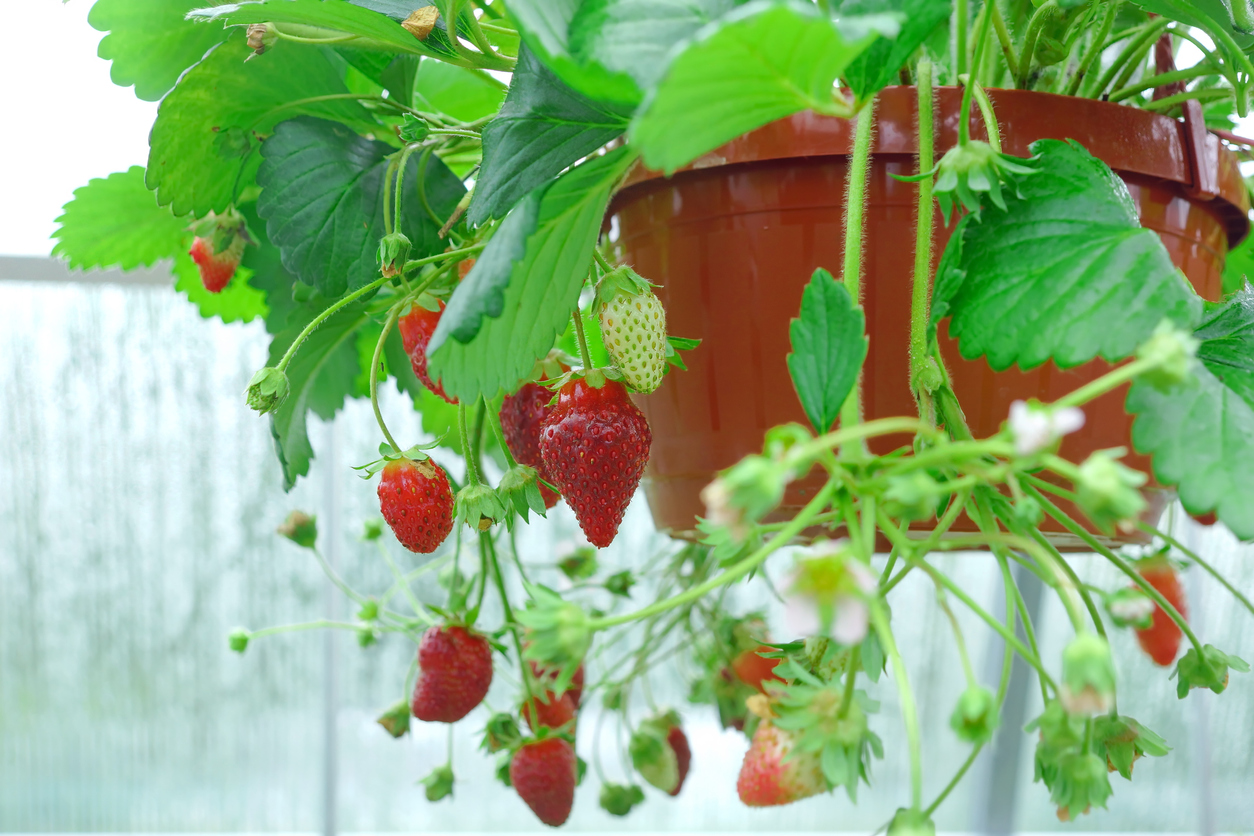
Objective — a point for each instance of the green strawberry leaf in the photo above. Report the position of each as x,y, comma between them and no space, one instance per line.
149,42
1200,433
444,88
525,284
115,222
542,128
636,36
323,204
877,67
545,27
1064,273
239,301
1239,266
759,63
372,29
322,374
204,142
829,345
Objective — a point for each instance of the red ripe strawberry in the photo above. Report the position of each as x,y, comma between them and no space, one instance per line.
417,326
543,772
455,670
755,670
522,414
217,268
770,777
596,442
417,502
464,267
553,712
1161,640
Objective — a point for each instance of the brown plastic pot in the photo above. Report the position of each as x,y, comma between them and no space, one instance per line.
733,239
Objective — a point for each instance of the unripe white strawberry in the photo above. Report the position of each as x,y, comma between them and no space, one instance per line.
633,325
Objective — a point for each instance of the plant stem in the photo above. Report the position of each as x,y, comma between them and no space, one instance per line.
990,118
1043,13
1093,543
968,85
1192,555
851,680
320,624
909,715
472,472
403,584
1161,79
925,218
528,684
1113,379
582,340
962,770
735,572
962,15
400,181
855,208
1169,102
1095,47
374,377
967,670
495,421
880,426
1151,31
1003,37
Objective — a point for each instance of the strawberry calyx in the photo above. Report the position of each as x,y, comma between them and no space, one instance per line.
621,281
479,507
558,634
520,488
387,455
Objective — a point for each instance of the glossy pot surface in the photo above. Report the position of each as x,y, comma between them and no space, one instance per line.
733,239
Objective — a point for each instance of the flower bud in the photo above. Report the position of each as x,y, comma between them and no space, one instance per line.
267,390
238,639
1088,675
439,783
975,718
300,528
393,253
1108,491
908,822
1172,351
1036,428
1130,608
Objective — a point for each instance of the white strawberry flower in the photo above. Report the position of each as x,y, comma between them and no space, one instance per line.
1035,427
827,595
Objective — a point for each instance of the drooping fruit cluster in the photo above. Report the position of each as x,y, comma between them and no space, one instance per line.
522,416
417,502
454,673
218,248
633,325
595,443
544,773
1161,640
417,326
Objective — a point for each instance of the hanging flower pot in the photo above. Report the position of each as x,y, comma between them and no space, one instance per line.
733,239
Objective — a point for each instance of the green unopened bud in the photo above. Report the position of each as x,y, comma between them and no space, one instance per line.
267,390
620,583
414,128
912,496
975,718
366,635
479,507
618,799
393,253
300,528
520,487
1108,491
909,822
372,530
238,639
439,783
745,493
1088,675
1083,782
1172,351
580,564
395,720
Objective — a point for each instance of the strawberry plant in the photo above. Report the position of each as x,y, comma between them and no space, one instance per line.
462,196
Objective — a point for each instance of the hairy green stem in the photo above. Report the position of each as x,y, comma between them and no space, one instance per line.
375,363
968,83
909,714
1161,79
472,471
1004,39
1169,102
1095,48
962,15
990,118
855,208
582,340
1043,13
925,219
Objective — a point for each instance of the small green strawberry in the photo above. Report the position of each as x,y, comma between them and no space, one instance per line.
633,325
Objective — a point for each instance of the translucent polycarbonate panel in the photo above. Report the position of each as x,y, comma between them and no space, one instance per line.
138,501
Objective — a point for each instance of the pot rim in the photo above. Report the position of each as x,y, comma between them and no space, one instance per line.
1129,140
